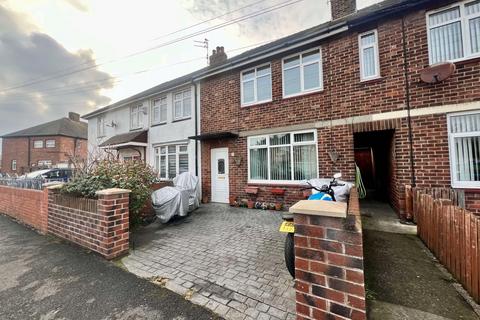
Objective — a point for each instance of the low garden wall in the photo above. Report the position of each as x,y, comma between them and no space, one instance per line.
100,225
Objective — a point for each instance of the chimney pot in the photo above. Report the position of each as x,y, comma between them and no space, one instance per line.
218,56
342,8
74,116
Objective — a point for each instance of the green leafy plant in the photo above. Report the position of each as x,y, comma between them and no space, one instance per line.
132,175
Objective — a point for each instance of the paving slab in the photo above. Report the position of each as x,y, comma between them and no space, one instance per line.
233,257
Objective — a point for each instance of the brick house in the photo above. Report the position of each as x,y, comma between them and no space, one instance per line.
344,92
52,144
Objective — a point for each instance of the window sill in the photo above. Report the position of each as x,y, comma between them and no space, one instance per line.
181,119
468,60
246,105
158,124
371,80
293,184
136,129
305,93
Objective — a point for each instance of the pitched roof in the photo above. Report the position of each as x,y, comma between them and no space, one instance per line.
380,10
61,127
134,136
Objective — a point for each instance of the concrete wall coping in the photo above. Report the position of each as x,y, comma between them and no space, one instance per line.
54,185
320,208
108,192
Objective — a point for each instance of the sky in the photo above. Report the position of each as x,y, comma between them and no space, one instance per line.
58,56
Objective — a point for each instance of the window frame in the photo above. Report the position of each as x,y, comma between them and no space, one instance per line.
451,152
152,112
177,158
13,165
35,142
183,117
361,49
139,116
50,140
44,163
465,29
301,65
101,126
292,143
256,101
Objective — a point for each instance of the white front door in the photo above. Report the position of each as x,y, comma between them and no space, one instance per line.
220,188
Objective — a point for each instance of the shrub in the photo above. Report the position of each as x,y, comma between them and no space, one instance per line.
133,175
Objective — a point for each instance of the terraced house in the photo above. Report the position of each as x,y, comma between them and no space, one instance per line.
349,91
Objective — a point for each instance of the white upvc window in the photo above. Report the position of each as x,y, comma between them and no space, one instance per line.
171,160
159,110
302,73
101,126
283,157
50,143
256,85
45,163
454,32
464,145
369,57
136,117
38,144
14,165
182,105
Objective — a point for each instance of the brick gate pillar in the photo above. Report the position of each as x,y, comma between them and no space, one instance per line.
329,264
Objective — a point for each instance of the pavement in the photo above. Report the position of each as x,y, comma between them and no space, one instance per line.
403,280
230,260
45,278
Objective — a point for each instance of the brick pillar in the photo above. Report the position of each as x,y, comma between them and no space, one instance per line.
329,265
47,198
112,207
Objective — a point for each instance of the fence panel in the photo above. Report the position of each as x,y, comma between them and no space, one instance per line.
451,233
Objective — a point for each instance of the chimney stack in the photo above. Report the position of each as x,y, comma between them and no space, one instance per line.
74,116
342,8
218,56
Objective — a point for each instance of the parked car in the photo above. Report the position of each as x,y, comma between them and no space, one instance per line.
48,175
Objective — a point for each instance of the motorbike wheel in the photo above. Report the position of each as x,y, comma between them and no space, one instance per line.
290,254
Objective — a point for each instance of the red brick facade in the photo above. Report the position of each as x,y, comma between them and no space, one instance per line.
346,97
22,150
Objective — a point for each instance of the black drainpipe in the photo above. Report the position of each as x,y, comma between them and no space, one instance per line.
407,100
196,128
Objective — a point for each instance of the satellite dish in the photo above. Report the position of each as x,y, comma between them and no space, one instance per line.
438,72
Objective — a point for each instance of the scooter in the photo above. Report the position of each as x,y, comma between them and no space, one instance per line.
325,193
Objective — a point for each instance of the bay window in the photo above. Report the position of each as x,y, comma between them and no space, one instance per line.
302,73
159,111
284,157
171,160
257,85
454,32
464,145
369,58
182,105
136,117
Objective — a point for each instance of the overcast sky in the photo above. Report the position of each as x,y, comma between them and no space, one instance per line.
41,41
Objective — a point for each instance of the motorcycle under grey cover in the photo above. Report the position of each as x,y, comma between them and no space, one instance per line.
179,200
341,192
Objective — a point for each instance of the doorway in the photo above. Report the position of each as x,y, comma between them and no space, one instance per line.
220,181
374,157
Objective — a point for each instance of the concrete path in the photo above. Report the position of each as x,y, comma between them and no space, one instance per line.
230,260
44,278
402,278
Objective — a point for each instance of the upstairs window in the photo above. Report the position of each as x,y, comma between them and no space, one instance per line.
454,32
182,105
302,73
257,85
50,143
464,142
171,160
38,144
136,117
14,165
369,58
282,158
159,111
101,126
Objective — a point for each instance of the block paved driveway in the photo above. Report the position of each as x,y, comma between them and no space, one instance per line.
229,260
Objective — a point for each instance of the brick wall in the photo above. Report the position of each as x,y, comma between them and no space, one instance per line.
25,205
18,149
329,279
344,95
99,225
